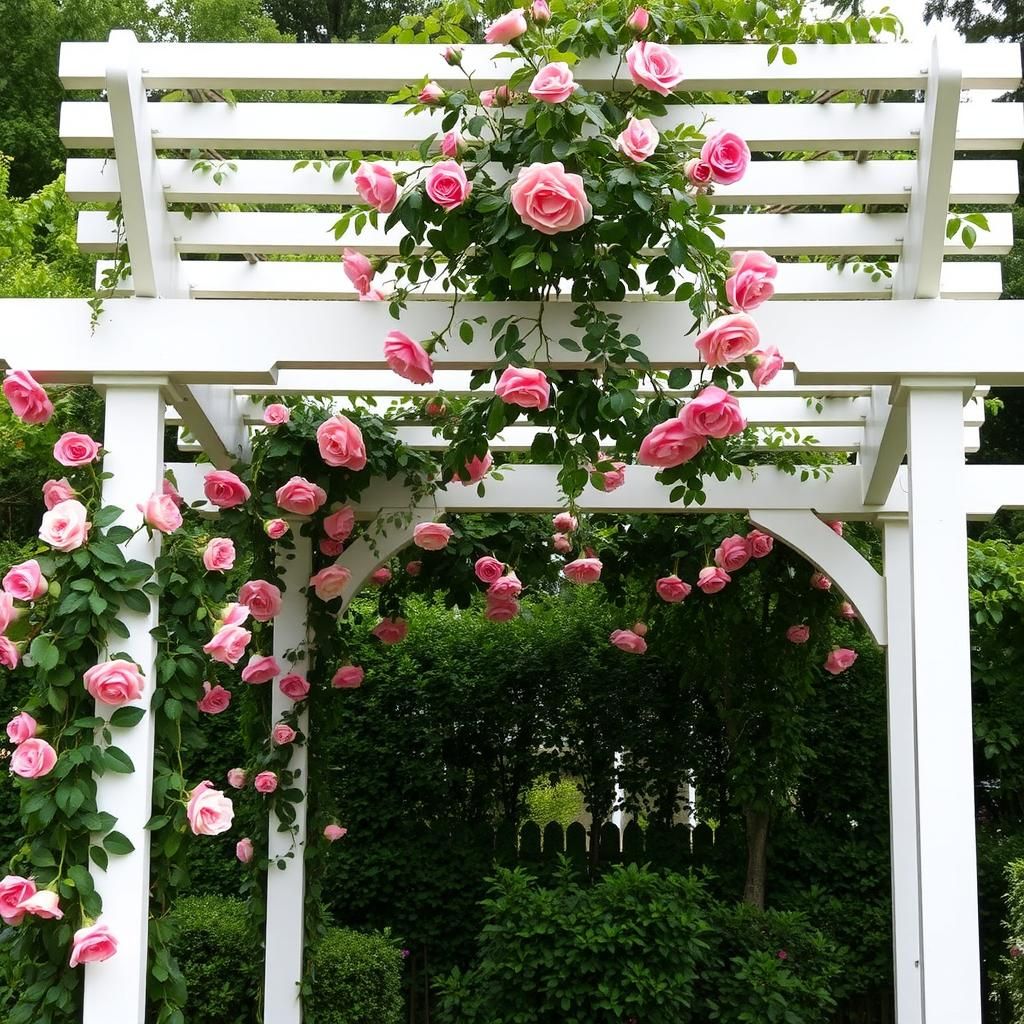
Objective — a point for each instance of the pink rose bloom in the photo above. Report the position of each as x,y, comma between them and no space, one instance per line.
733,553
161,512
505,588
65,527
44,904
237,778
282,734
224,489
25,581
275,414
233,614
33,758
638,140
263,599
215,699
638,20
7,610
798,634
669,444
654,67
672,589
92,945
380,576
414,568
219,554
475,470
244,850
13,890
553,83
610,479
114,682
9,655
390,631
752,281
431,93
275,529
447,185
487,98
766,364
332,833
488,569
265,782
300,496
408,358
453,56
341,443
29,401
209,811
836,527
506,28
561,543
711,579
431,536
847,611
294,686
56,491
713,413
640,628
549,200
172,492
452,144
839,660
727,155
564,522
348,677
698,173
358,269
501,609
728,339
261,669
819,581
583,570
329,582
338,525
228,644
524,386
541,12
330,548
74,449
629,641
21,727
760,543
376,185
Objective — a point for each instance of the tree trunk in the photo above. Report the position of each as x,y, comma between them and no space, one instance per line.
757,856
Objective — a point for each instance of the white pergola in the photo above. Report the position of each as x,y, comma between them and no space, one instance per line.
898,377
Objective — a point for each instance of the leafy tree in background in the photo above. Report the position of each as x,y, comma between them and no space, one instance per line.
320,21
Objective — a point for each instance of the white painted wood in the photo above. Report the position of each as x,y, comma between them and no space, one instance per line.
885,444
286,875
950,969
115,991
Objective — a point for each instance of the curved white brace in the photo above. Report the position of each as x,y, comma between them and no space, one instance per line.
803,531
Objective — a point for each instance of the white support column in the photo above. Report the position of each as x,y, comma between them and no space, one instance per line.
115,991
950,959
286,886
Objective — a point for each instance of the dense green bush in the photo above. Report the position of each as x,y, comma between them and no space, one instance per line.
1011,985
357,979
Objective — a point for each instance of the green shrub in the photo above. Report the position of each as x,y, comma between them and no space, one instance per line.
559,801
357,979
1012,980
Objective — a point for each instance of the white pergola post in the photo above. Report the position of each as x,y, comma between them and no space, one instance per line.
115,991
950,976
286,885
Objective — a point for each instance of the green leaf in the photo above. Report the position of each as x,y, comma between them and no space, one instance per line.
99,857
79,874
495,417
117,760
107,515
136,600
43,653
125,718
117,844
788,55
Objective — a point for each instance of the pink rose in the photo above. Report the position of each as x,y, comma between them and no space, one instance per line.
74,449
33,758
92,945
553,83
452,144
431,536
452,56
25,581
114,682
711,579
263,599
475,470
414,568
228,644
505,587
244,850
237,778
215,699
549,200
376,186
300,496
541,12
330,582
275,529
488,569
172,492
713,413
65,527
524,386
561,543
390,631
358,269
261,669
161,512
21,727
43,904
233,614
836,527
798,634
14,889
276,414
282,734
654,67
733,553
506,28
766,364
265,782
224,489
638,20
330,548
629,641
751,282
447,185
219,554
379,577
638,140
29,401
698,173
56,491
672,589
348,677
8,613
847,611
727,155
9,655
669,444
431,93
294,686
761,544
487,98
564,522
839,660
819,581
501,609
339,524
408,358
640,628
583,570
332,833
728,339
209,811
341,443
609,479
